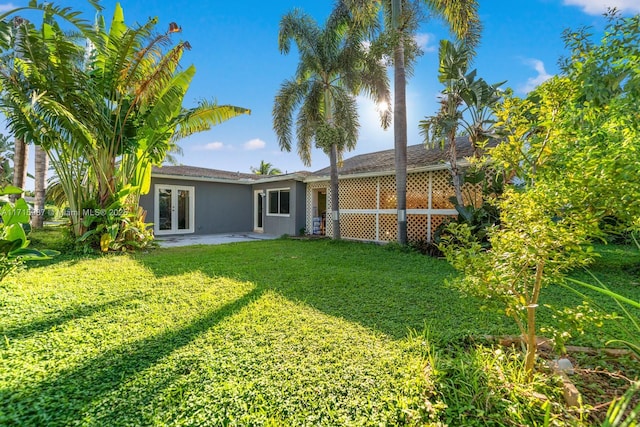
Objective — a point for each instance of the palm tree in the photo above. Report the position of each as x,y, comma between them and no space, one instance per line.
400,18
105,113
20,162
334,66
21,147
265,169
466,102
40,186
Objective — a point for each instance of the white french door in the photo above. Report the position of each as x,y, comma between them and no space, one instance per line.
174,209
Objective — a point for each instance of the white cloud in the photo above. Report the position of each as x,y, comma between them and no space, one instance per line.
424,41
542,76
214,146
254,144
5,7
597,7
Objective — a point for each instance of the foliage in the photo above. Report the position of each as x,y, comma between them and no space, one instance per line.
619,413
571,149
629,337
265,168
487,386
14,245
6,157
571,322
481,212
117,228
466,102
105,113
394,22
334,67
514,272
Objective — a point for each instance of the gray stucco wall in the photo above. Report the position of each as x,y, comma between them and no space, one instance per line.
219,207
291,224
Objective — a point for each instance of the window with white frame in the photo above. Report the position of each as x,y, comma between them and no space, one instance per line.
278,200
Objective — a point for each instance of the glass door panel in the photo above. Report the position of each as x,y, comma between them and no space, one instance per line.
174,210
183,210
164,209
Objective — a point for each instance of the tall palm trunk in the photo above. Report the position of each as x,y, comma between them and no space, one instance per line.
400,125
41,165
335,208
333,165
20,162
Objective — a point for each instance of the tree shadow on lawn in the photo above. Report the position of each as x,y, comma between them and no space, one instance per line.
65,397
64,315
389,291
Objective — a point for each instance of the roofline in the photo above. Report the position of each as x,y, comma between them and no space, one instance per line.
202,178
243,181
308,178
275,178
428,168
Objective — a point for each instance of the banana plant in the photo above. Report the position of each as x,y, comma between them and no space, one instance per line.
466,104
106,106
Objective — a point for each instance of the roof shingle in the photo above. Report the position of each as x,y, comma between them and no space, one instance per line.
383,161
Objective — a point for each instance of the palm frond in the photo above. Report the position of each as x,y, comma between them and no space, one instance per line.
51,11
461,17
300,28
204,116
287,100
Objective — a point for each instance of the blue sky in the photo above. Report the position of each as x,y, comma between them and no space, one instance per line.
234,49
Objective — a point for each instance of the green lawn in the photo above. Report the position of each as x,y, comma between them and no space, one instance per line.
282,332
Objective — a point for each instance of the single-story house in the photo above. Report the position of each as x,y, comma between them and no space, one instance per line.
185,199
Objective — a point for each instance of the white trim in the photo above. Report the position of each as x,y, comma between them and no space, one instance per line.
429,205
395,211
174,213
268,205
242,181
377,208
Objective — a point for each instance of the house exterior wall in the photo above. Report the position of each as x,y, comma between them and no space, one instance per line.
219,207
292,222
368,205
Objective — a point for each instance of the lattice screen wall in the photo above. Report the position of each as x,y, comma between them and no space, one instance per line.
368,205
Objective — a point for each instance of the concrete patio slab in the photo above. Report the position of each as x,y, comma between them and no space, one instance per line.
211,239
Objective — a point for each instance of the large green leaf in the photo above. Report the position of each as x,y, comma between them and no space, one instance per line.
28,254
144,175
15,233
15,214
7,246
10,189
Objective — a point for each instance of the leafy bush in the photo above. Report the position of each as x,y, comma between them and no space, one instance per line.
119,227
13,237
481,218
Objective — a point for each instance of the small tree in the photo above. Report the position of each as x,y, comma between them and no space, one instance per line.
572,149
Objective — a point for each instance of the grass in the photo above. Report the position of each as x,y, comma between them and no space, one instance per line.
282,332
